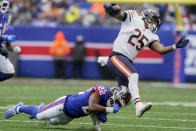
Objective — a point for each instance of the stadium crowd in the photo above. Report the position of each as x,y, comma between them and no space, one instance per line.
53,13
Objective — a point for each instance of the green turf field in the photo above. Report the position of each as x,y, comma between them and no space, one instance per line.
163,116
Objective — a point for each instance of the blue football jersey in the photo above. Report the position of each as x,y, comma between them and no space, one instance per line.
74,103
3,24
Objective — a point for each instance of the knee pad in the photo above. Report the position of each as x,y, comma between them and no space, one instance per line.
54,121
60,120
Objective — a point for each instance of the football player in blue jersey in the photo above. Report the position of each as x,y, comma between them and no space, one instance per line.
6,68
97,102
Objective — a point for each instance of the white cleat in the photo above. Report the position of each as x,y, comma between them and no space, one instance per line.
96,123
141,108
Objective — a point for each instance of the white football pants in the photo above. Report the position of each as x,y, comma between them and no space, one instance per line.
6,66
54,113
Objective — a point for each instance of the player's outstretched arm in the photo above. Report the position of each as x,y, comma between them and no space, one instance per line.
95,107
114,10
157,47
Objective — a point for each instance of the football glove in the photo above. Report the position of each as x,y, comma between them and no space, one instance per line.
116,108
9,38
4,52
17,49
181,43
102,60
110,9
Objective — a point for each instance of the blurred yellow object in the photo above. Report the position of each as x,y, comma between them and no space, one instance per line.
188,2
178,16
72,15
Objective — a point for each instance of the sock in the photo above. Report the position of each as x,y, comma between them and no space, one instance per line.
133,88
31,110
136,100
3,77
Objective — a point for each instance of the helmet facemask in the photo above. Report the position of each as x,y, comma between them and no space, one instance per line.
4,6
152,18
115,98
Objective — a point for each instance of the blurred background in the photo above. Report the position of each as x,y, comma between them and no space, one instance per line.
64,38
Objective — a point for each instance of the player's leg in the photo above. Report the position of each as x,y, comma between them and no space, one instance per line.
125,70
126,74
6,69
52,110
20,108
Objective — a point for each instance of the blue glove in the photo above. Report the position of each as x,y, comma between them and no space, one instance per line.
116,108
109,8
102,117
182,43
9,38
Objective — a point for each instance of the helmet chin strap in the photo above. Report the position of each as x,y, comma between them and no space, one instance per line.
152,27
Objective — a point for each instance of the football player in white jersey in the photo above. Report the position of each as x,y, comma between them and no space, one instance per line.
137,32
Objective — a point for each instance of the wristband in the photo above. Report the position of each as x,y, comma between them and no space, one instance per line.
173,47
109,109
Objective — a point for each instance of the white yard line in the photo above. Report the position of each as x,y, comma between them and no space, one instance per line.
116,125
185,104
157,119
174,113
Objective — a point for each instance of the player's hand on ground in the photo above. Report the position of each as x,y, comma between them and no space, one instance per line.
182,43
9,38
4,52
112,9
116,108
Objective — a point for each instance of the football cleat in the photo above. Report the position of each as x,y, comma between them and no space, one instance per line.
141,108
96,123
12,111
40,107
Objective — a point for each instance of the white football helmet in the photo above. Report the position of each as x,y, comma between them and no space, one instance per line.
117,95
4,6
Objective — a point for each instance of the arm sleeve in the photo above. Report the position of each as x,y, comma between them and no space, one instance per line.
129,16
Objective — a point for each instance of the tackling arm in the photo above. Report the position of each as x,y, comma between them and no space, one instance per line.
157,47
95,107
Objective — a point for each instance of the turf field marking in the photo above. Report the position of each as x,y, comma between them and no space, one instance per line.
159,119
174,113
116,125
185,104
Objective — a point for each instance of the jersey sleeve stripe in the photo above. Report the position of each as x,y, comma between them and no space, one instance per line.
131,13
97,92
121,66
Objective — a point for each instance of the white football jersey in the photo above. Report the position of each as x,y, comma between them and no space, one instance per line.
133,37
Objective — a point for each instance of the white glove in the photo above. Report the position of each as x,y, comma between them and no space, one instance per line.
17,49
102,60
